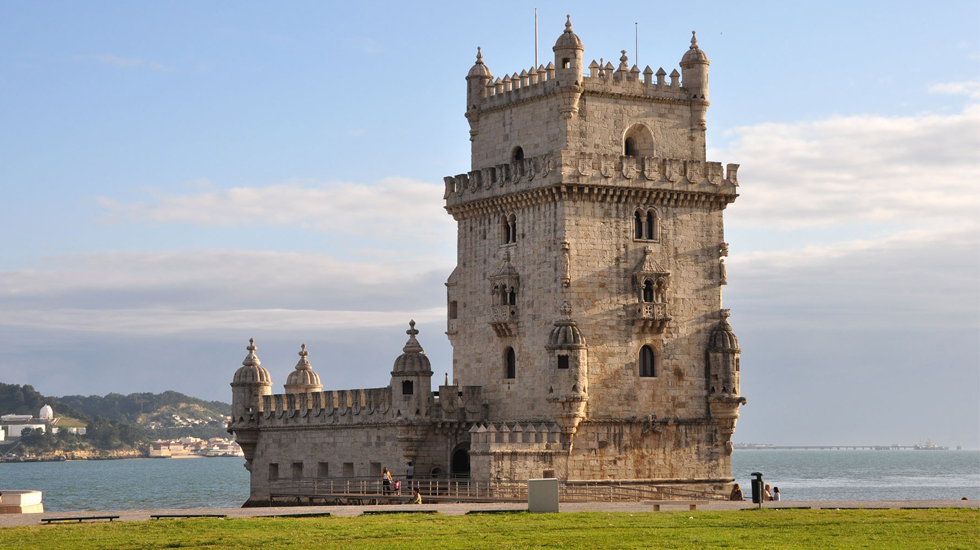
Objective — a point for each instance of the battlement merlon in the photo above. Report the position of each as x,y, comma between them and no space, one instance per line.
629,175
565,78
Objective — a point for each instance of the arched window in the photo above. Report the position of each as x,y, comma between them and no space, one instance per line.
512,297
646,224
648,291
408,387
638,141
647,362
511,364
518,154
513,228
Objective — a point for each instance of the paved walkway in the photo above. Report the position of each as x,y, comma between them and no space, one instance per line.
10,520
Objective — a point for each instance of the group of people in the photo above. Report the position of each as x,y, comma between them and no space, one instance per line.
389,484
768,494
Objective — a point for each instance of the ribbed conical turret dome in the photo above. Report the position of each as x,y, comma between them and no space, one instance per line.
722,338
694,54
303,379
568,39
479,69
566,334
251,371
413,361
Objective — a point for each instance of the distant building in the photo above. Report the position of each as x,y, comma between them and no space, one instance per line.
585,312
46,414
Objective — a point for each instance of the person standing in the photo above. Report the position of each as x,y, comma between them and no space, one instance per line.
386,480
736,493
409,470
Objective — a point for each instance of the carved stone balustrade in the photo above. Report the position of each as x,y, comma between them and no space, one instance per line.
649,317
503,319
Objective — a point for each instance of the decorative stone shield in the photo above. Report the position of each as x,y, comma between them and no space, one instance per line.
607,166
672,169
651,168
714,173
694,172
585,164
629,167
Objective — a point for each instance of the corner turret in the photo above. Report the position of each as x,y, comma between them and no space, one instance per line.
694,77
303,379
250,383
568,69
723,381
568,358
411,379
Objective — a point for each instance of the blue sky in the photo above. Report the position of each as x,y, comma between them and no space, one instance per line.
179,177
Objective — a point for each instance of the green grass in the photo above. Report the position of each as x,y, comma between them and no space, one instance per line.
755,529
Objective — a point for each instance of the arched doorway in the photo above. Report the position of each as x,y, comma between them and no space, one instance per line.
460,464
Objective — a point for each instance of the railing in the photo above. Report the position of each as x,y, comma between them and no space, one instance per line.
435,489
503,314
650,311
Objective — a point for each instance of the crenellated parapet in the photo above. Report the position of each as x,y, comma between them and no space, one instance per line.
647,179
491,437
358,406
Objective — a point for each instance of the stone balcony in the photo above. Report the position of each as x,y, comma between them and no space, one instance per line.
649,317
503,319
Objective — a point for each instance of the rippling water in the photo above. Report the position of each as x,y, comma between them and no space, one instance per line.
134,484
863,475
144,484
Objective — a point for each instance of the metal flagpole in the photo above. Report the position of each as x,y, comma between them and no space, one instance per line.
535,38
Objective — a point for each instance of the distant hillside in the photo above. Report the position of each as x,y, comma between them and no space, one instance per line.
144,408
17,399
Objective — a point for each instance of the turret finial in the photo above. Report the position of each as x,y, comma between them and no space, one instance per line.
568,23
251,360
694,40
624,59
479,56
412,346
565,310
303,363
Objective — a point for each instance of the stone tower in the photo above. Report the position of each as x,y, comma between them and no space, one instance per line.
586,300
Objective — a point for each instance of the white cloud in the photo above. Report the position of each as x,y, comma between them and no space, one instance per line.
394,208
163,321
971,89
859,169
921,278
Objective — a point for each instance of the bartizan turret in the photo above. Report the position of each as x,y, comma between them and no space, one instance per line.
568,69
411,380
303,379
724,396
568,356
694,79
250,384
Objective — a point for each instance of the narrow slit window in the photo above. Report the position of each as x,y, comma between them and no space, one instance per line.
646,362
511,364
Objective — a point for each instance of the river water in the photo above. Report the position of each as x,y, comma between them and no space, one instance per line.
146,484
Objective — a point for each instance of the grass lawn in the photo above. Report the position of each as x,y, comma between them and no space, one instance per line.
755,529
